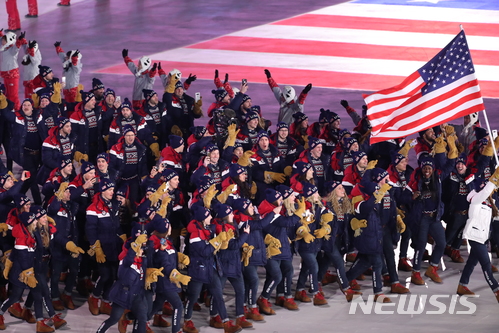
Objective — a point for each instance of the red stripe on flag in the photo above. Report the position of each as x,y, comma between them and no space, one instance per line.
338,80
334,49
374,23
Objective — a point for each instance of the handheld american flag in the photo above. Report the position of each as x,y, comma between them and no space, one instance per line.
444,89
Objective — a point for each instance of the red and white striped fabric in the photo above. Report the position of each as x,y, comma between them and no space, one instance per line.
444,89
359,46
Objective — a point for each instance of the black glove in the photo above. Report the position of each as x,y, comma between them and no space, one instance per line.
216,73
226,78
191,78
154,66
267,72
32,44
364,108
307,88
22,35
344,103
159,66
124,53
76,53
57,44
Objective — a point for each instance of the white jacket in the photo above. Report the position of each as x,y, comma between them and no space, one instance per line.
479,215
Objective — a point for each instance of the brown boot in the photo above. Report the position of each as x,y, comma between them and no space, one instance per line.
2,323
264,306
354,285
448,250
160,321
380,298
404,265
148,329
301,295
494,269
105,308
81,288
241,321
189,327
386,281
351,257
290,304
58,305
67,300
15,310
431,272
93,305
463,290
456,256
229,327
167,309
216,322
58,321
196,307
28,316
254,314
496,294
124,322
42,327
350,294
328,278
319,299
417,279
397,288
279,301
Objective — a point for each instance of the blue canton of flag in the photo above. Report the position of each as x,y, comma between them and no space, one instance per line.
449,65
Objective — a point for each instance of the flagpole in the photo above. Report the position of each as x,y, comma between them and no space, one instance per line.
491,137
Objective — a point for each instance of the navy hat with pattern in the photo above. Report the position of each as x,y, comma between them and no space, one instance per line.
128,128
44,93
148,94
179,84
204,184
250,115
324,116
348,142
281,125
309,189
333,116
44,70
64,162
313,142
241,204
3,178
97,84
106,184
462,158
220,94
285,191
210,147
377,174
126,104
27,218
397,158
20,200
38,211
223,210
426,160
109,91
331,186
123,191
104,156
175,141
61,121
357,156
246,97
262,134
168,174
200,213
272,195
302,167
299,117
236,169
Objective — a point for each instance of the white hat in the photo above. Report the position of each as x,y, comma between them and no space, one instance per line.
289,94
145,64
10,38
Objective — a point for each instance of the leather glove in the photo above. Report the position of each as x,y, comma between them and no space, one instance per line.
451,142
253,190
216,242
28,277
78,156
124,53
400,224
449,130
56,96
267,73
407,146
305,141
6,270
191,78
231,138
274,176
222,197
71,247
3,101
273,246
357,225
326,218
170,87
210,194
183,232
371,164
303,233
300,210
3,229
163,209
57,44
344,103
96,250
123,237
177,131
322,232
139,241
379,194
179,278
60,192
155,150
78,93
494,179
225,243
307,88
288,171
183,260
439,146
246,253
401,213
50,220
152,276
245,159
197,107
36,100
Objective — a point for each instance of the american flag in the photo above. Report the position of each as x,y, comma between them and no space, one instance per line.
444,89
359,45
